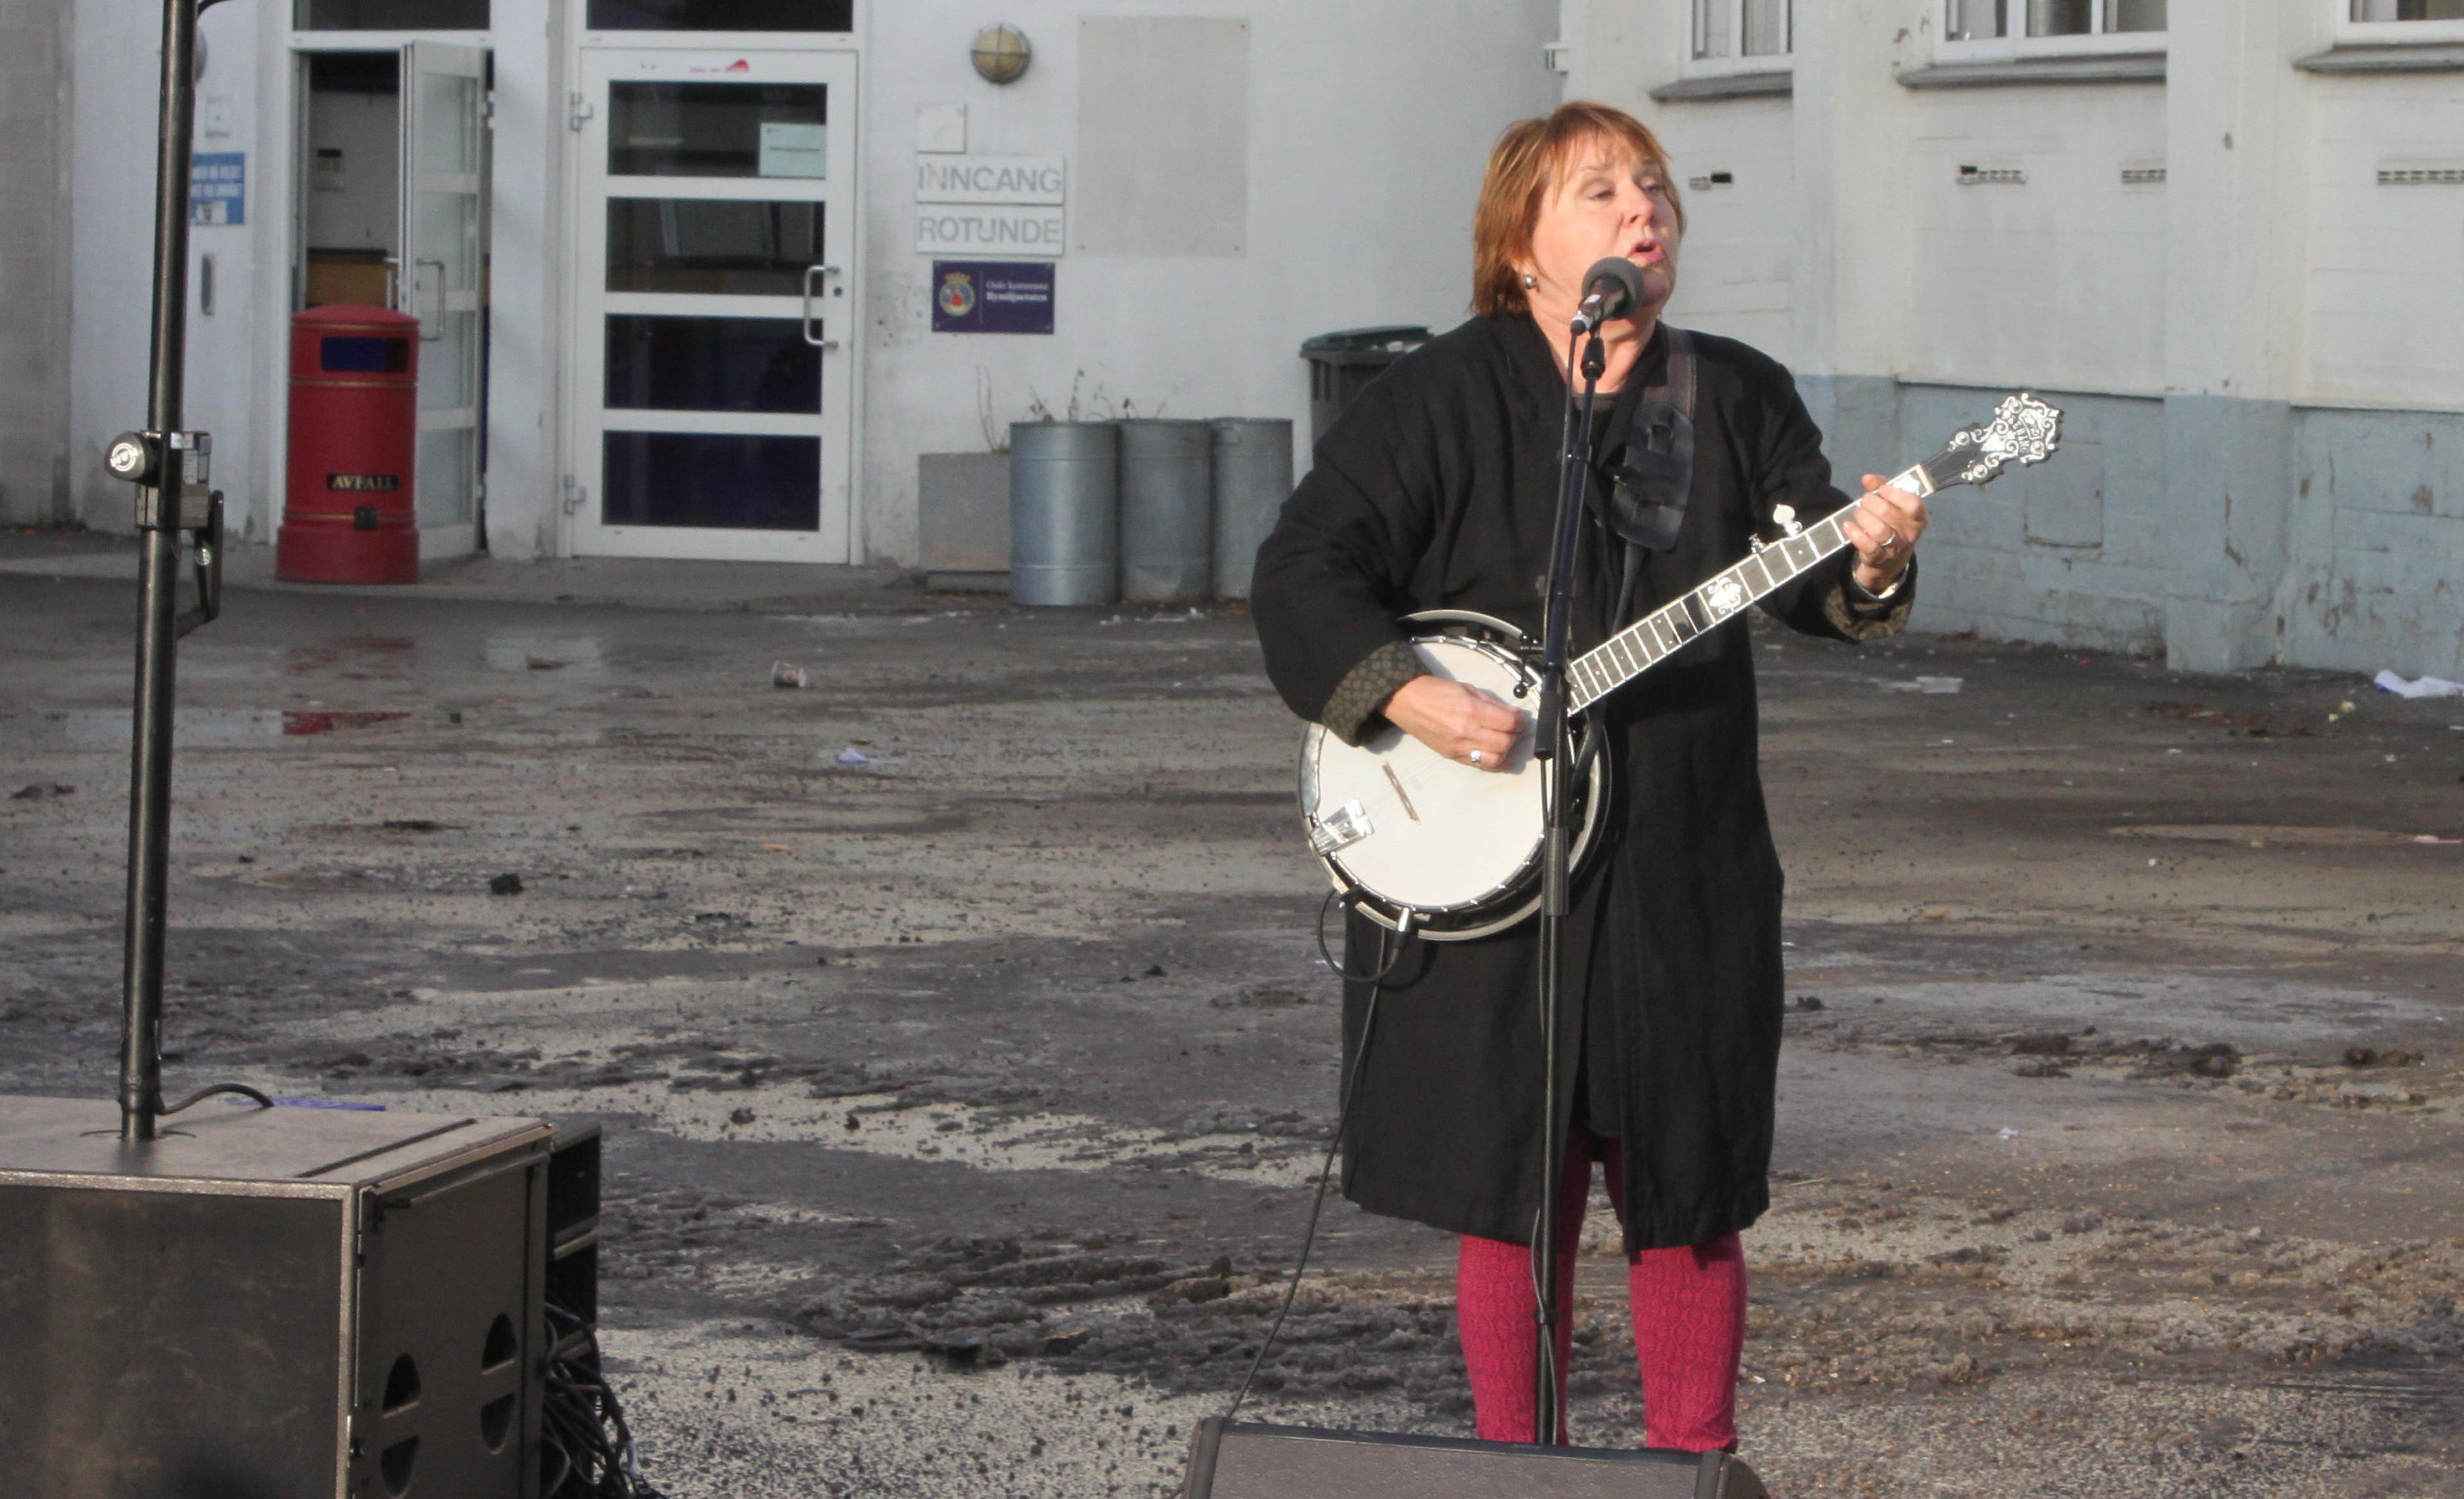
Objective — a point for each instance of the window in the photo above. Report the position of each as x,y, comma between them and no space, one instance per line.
2398,22
2409,9
1741,35
390,15
721,15
1978,29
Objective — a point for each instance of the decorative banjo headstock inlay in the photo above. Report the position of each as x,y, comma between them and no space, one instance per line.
2023,430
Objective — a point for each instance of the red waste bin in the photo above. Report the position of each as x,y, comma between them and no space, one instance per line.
347,516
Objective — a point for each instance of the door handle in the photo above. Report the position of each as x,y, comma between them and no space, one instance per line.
813,278
424,337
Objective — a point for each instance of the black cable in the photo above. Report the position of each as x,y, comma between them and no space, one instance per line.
1326,1169
584,1424
1386,964
202,1094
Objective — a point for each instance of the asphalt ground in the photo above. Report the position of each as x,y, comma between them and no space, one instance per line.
965,1055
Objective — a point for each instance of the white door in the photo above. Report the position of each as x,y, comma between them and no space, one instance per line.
714,317
443,279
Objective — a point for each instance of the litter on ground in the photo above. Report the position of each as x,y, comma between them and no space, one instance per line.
2419,687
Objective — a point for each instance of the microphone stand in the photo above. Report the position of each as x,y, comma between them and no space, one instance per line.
168,467
1552,747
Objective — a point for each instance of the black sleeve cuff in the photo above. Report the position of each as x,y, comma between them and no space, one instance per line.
1352,713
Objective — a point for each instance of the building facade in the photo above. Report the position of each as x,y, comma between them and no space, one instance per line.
35,262
2226,236
685,269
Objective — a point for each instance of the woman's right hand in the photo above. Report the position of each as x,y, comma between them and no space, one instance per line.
1458,722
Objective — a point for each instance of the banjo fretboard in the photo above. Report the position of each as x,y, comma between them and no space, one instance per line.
2023,429
1660,634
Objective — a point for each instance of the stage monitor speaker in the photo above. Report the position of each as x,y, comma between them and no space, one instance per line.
275,1303
1239,1459
573,1239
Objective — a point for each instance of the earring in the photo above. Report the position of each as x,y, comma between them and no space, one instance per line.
1529,281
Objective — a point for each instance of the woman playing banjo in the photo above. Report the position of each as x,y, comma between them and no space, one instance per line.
1435,490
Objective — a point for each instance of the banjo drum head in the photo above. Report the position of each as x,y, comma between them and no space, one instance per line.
1419,831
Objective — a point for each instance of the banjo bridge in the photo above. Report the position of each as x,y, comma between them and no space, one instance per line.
1401,794
1340,829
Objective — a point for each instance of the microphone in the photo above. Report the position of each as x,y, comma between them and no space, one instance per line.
1611,289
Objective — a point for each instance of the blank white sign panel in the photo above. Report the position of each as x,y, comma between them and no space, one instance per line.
1163,137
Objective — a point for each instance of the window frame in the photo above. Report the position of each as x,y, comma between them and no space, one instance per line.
2350,32
2020,47
1736,63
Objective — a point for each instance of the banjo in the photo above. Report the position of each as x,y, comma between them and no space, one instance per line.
1422,844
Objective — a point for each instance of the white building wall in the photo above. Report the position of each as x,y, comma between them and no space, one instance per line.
2375,251
2261,359
1739,260
1738,275
110,192
110,199
2056,280
1368,127
35,259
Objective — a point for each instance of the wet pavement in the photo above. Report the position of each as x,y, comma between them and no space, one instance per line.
966,1059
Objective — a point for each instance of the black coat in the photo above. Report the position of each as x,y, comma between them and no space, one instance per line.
1435,489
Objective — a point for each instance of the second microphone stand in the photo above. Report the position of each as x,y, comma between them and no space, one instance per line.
1552,746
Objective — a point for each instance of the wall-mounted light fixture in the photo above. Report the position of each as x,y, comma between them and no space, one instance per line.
1001,54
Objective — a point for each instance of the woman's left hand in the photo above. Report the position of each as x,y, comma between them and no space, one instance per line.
1884,526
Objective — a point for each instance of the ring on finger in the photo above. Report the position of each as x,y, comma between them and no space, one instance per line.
1473,757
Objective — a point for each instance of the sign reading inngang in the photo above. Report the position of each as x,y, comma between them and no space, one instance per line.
1027,180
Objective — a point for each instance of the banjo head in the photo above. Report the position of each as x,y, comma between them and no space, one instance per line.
1413,836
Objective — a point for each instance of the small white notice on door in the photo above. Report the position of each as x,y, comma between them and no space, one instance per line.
791,150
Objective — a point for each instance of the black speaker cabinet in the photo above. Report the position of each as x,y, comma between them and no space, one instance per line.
573,1240
1238,1459
269,1304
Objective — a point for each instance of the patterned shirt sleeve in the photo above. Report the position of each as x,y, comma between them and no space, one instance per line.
1861,616
1352,713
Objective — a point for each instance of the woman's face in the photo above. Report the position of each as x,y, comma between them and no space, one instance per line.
1606,202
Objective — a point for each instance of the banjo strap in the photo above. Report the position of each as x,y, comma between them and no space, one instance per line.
1665,417
1654,477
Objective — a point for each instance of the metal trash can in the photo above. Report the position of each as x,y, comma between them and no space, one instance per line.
1342,364
1253,477
1065,512
1167,510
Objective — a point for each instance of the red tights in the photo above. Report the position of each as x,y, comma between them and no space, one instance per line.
1690,1321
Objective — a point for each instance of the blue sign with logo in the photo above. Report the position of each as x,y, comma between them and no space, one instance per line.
992,297
218,189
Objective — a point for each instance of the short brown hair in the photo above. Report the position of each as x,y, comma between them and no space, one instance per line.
1523,169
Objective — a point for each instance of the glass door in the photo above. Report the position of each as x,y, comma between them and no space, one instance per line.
714,321
443,279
